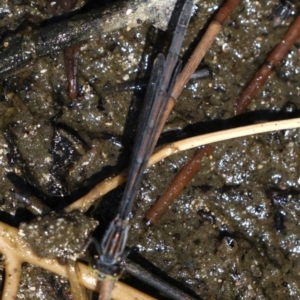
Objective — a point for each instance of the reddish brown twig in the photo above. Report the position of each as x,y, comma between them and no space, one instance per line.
204,44
71,56
270,64
177,185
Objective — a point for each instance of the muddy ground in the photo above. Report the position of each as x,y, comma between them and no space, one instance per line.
233,233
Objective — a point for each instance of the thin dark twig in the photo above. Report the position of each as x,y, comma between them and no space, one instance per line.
154,281
33,204
71,57
139,84
22,50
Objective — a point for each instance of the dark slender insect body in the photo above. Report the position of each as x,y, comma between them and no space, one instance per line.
161,84
152,116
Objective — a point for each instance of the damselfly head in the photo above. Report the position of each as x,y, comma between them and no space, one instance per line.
112,272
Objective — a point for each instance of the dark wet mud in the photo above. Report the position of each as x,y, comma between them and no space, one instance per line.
233,233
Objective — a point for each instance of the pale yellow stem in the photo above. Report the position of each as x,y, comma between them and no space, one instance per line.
16,252
77,290
84,203
13,270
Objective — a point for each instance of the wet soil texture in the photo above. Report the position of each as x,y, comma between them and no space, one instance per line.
233,233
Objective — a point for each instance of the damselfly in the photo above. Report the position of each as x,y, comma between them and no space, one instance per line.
163,76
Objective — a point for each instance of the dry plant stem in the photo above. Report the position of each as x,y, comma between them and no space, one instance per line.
101,189
176,186
84,203
17,252
268,67
13,270
78,291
